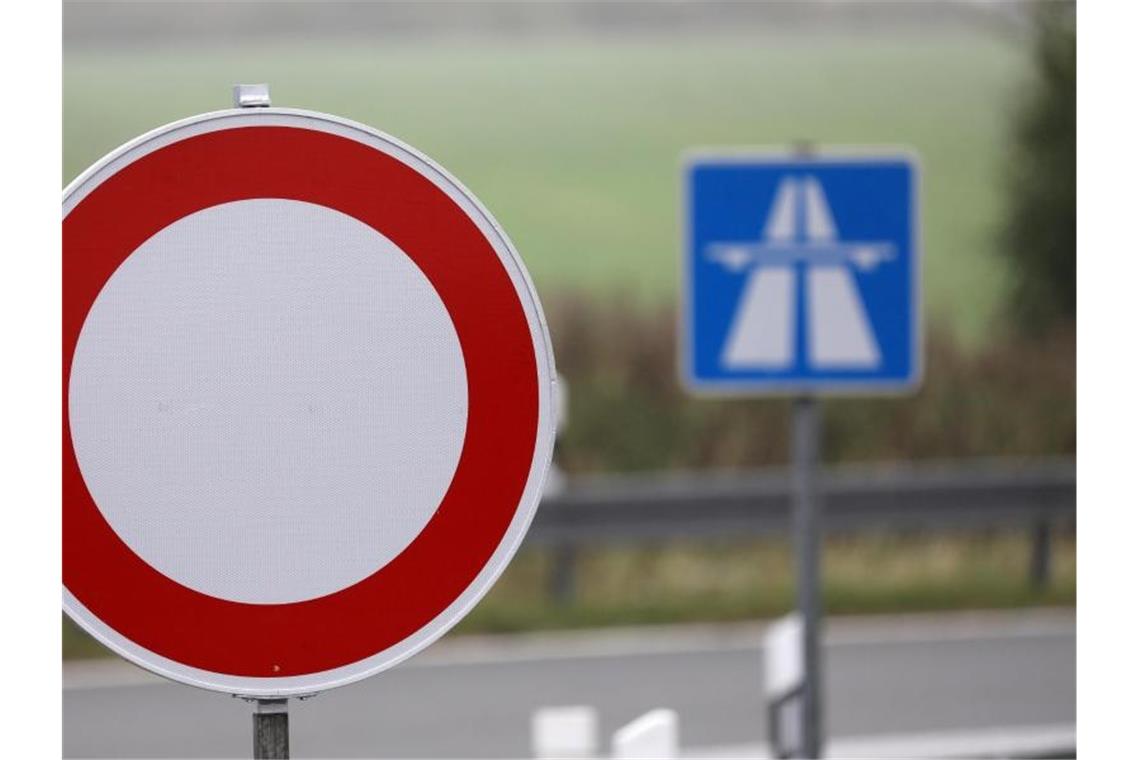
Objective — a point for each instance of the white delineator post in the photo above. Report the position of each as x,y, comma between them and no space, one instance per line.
564,732
783,656
653,736
784,666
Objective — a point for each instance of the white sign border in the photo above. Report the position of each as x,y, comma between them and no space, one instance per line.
287,686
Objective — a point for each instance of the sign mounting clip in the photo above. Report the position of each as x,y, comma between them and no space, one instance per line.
251,96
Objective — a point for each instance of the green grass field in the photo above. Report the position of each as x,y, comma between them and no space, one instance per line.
575,145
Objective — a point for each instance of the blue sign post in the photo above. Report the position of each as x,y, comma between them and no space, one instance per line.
801,277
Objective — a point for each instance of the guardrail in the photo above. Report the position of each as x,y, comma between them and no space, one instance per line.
588,511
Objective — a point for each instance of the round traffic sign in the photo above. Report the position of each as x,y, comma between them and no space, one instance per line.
308,401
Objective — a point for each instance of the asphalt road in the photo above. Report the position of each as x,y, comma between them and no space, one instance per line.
474,697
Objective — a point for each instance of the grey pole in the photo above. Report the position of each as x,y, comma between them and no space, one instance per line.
806,531
271,729
1041,541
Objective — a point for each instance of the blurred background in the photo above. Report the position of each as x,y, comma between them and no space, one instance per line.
568,121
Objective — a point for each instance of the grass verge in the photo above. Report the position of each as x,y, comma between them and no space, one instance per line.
753,580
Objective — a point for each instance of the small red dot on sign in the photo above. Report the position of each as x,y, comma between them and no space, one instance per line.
276,668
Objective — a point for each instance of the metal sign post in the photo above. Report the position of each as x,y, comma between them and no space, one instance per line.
271,729
806,537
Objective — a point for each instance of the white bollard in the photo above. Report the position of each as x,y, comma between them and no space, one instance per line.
783,685
564,732
653,736
784,655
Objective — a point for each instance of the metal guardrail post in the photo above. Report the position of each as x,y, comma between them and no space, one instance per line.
1041,554
561,578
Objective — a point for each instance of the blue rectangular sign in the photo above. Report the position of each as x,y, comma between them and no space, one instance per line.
801,274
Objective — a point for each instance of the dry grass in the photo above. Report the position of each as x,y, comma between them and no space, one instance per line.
754,579
628,412
751,580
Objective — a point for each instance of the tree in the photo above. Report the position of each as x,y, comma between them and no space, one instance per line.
1040,235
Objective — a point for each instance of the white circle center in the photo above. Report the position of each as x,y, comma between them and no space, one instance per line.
268,401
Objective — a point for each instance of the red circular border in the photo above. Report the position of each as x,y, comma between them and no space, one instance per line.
280,640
